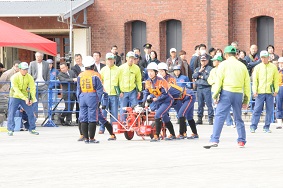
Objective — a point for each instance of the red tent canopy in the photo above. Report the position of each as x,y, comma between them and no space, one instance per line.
12,36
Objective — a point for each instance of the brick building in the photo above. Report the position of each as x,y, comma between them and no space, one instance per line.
163,23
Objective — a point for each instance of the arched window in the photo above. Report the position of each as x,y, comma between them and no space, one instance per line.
265,32
173,36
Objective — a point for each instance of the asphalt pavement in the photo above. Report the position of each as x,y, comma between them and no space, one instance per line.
56,159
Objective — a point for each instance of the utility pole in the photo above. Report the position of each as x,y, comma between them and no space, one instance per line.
71,33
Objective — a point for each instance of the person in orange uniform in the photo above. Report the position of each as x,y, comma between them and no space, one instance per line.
89,93
158,88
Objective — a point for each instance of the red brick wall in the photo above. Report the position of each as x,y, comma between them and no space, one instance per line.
231,20
108,19
245,13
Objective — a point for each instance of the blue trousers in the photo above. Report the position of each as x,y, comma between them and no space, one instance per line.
187,108
228,99
88,107
13,107
259,101
279,103
113,101
229,120
204,97
128,98
163,108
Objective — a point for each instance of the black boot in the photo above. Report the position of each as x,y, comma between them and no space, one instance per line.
182,126
193,128
210,121
199,121
84,127
92,130
158,125
170,127
110,130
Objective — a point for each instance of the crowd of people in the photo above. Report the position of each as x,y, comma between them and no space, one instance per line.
216,79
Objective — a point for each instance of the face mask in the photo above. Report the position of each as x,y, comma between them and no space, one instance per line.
202,52
219,54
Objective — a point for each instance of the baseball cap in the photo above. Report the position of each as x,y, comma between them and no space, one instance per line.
280,60
23,65
217,58
264,53
203,58
147,45
173,50
110,56
130,54
50,61
230,49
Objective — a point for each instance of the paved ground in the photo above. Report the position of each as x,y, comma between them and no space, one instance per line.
56,159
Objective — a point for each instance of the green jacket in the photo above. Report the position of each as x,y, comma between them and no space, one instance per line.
110,79
130,78
20,84
211,78
233,76
265,76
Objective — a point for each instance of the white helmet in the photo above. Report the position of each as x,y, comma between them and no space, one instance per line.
88,61
152,66
163,66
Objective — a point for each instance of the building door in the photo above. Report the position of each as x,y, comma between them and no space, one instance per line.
139,35
265,32
173,36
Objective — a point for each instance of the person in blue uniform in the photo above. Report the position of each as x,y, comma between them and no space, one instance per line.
182,80
158,88
89,93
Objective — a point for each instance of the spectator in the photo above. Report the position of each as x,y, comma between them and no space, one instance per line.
147,50
22,93
202,49
212,52
143,70
203,90
153,57
118,59
137,51
2,69
235,45
69,95
78,68
110,80
252,59
219,52
185,67
194,58
242,57
6,76
130,83
53,74
265,87
97,65
40,71
272,56
173,60
279,97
